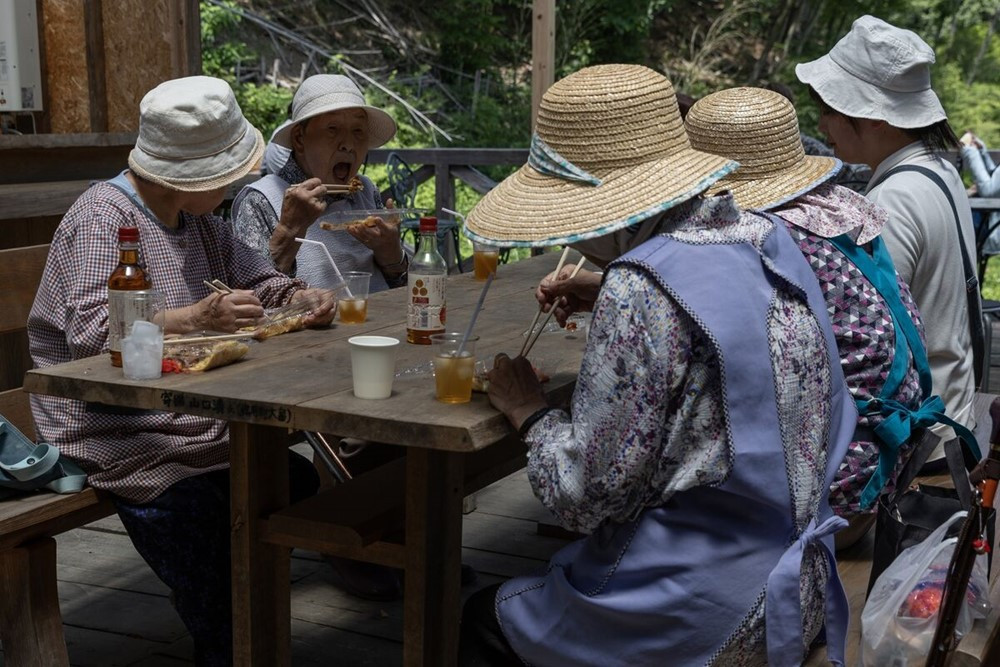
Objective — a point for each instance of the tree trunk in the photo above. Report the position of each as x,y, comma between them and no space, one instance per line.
983,48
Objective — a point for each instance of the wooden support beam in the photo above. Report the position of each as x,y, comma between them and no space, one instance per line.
543,51
93,17
185,40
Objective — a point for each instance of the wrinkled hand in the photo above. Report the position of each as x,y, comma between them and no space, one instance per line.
301,205
568,295
382,238
322,305
514,389
229,312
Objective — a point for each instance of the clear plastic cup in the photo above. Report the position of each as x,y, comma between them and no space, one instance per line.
352,304
484,260
453,372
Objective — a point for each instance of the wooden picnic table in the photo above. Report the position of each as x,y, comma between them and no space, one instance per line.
302,380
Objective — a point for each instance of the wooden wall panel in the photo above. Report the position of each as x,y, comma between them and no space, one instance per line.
66,64
137,37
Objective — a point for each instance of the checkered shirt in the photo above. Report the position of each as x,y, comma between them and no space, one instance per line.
134,454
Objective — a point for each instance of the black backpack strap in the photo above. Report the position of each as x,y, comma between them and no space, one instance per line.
971,280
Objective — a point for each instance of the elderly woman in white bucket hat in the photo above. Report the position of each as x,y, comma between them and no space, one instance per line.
877,107
709,415
329,134
167,473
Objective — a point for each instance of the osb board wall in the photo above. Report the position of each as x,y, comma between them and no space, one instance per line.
137,56
137,52
66,63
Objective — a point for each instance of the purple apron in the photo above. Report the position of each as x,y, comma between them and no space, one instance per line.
670,587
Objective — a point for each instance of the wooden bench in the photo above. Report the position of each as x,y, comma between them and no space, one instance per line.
31,628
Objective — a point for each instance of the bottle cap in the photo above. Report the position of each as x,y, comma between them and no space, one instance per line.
128,234
428,224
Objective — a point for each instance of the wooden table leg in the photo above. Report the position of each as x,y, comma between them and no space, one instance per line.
261,597
30,623
432,599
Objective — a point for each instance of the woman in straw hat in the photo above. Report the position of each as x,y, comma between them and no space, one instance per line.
877,107
167,473
876,323
695,451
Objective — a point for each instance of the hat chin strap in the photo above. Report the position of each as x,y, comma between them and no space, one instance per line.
544,159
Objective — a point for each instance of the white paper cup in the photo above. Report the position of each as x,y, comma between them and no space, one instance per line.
373,365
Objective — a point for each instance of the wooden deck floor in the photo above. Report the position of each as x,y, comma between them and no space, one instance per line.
117,613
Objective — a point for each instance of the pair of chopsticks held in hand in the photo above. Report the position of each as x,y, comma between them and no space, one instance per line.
532,337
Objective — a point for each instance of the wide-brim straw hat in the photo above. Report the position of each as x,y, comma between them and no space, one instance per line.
880,72
193,136
759,129
610,150
324,93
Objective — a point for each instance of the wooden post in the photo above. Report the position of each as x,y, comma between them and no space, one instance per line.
93,17
185,42
543,51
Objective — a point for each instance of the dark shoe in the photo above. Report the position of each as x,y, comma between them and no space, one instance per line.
365,580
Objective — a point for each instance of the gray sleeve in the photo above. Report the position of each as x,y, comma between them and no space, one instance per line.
254,221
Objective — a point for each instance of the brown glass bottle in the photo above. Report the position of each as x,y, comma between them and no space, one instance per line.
128,276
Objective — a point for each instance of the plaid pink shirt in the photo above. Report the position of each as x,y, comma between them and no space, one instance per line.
134,454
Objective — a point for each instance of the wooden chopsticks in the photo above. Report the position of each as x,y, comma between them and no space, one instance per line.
217,286
209,339
530,342
531,329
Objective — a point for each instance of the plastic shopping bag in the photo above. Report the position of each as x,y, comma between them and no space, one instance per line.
899,619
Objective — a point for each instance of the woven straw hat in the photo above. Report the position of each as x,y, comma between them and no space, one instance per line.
609,151
759,129
193,136
323,93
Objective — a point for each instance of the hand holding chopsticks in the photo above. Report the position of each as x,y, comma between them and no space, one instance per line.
531,329
530,342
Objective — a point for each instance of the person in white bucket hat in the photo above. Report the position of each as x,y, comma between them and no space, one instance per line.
329,133
167,473
877,107
708,416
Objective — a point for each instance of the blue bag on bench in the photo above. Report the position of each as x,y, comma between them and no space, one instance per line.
25,466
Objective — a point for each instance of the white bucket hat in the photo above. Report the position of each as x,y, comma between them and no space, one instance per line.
193,136
323,93
880,72
610,150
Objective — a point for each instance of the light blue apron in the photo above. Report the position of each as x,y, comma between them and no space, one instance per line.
670,587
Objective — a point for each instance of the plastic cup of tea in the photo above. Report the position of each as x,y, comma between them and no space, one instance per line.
142,351
484,260
453,371
373,365
352,303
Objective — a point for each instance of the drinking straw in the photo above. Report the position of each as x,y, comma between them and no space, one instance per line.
454,213
579,266
475,314
340,278
531,329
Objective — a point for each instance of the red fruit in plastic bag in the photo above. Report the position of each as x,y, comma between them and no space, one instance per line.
922,603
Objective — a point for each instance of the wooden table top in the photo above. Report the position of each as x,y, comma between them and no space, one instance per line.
302,380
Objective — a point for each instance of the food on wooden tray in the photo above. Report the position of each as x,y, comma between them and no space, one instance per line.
202,356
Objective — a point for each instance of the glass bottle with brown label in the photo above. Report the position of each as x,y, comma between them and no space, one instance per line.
128,277
427,277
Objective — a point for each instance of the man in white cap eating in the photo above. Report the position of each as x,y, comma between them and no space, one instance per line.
329,134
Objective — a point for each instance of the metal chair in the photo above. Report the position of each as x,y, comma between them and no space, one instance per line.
403,186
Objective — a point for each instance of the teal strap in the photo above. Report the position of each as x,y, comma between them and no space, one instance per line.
898,426
881,272
37,463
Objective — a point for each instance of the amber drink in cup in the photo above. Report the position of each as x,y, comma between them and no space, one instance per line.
484,260
454,367
352,306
